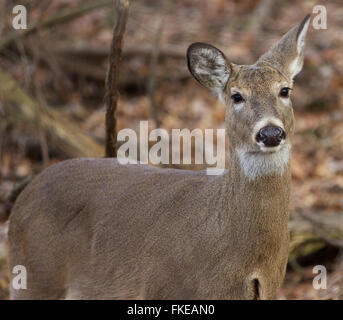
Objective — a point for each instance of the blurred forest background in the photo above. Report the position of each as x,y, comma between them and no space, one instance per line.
52,100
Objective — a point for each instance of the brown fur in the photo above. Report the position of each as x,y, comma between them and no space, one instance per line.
94,229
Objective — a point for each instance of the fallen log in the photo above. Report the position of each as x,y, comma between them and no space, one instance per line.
65,135
312,230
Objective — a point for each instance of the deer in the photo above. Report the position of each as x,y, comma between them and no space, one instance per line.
96,229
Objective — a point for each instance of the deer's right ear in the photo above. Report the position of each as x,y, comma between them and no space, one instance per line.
209,66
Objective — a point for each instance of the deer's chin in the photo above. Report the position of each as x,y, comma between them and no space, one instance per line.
267,150
270,149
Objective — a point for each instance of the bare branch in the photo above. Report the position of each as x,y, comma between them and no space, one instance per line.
122,10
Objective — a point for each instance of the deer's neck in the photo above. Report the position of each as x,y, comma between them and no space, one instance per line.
258,195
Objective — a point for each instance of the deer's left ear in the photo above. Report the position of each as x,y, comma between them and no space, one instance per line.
288,54
209,66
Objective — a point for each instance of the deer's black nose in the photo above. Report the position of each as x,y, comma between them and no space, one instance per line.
271,136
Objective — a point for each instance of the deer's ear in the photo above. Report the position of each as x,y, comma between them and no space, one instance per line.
288,54
209,66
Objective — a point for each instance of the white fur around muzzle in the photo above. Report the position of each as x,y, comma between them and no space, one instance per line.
258,164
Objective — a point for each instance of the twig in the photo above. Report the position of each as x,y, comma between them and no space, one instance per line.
122,10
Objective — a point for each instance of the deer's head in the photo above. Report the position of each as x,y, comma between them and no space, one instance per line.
259,116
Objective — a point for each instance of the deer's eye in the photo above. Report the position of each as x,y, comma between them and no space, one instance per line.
237,98
284,92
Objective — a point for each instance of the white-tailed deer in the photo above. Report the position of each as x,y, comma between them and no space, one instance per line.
95,229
